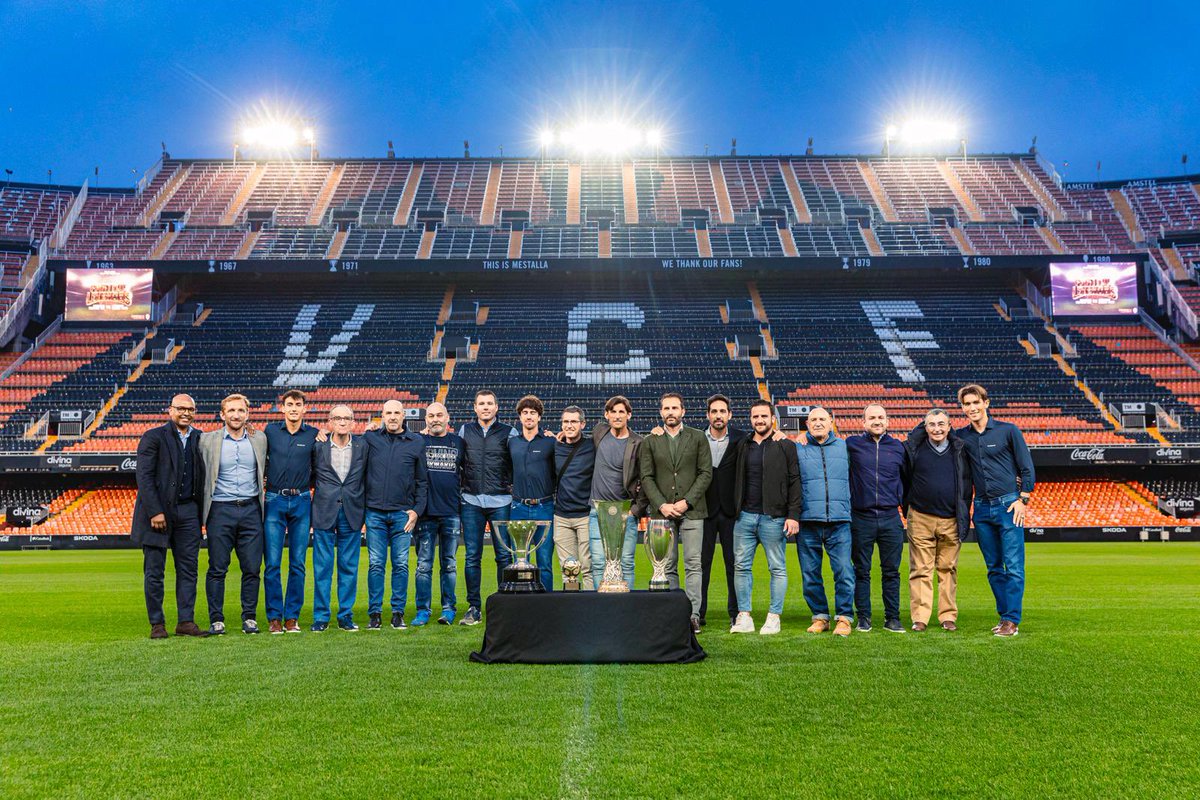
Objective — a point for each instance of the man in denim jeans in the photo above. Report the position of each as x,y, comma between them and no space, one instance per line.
616,476
1002,472
397,488
290,448
444,459
532,453
486,494
338,510
825,521
767,497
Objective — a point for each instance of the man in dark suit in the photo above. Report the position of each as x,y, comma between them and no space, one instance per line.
722,511
166,514
676,470
338,511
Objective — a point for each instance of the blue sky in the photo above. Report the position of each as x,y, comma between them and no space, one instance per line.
91,85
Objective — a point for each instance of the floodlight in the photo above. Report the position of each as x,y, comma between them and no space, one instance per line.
546,137
654,137
924,131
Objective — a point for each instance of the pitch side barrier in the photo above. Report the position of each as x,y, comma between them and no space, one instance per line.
1077,456
484,266
1117,533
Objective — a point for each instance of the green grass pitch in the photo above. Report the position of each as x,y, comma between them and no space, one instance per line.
1098,697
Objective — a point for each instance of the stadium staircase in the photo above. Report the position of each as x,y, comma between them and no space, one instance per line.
629,193
317,215
1129,219
882,201
960,191
231,215
164,194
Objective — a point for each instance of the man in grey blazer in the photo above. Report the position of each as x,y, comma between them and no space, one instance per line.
338,509
235,458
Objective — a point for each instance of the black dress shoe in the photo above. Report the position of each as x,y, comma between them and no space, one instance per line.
188,628
695,624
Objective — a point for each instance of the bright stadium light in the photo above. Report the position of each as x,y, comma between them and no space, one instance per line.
611,138
920,132
274,135
546,137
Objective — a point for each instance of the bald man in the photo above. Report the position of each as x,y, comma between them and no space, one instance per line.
439,527
166,514
878,471
397,487
339,469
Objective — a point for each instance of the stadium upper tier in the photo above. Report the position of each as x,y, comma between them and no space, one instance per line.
731,206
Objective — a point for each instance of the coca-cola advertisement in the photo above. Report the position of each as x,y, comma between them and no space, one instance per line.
1094,290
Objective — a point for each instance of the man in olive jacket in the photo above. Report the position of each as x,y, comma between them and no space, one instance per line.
676,470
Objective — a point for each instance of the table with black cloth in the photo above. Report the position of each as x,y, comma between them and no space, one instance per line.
589,628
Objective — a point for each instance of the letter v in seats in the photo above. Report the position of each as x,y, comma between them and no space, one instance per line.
298,368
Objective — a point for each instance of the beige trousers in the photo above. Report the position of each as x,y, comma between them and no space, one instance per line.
571,541
932,543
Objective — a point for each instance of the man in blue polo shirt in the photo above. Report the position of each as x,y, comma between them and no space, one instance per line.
290,449
445,456
1002,472
878,467
397,488
532,454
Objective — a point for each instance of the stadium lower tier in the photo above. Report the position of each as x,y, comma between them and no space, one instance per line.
104,509
843,340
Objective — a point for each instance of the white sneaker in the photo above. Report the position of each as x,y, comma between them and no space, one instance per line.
743,624
771,625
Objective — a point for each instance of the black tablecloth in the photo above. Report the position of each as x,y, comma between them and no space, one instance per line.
589,628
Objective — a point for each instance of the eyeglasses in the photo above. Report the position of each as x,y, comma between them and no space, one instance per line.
341,419
185,409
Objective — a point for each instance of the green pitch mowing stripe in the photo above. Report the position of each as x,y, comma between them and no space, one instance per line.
1098,697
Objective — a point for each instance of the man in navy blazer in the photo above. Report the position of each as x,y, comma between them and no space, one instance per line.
166,514
338,511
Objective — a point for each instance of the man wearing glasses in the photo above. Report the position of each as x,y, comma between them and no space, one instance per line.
338,509
166,514
937,505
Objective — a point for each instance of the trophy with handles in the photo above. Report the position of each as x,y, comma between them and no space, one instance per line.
521,537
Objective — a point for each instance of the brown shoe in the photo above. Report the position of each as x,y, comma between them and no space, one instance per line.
997,626
275,626
291,626
843,627
949,625
1007,629
158,631
919,627
188,628
819,626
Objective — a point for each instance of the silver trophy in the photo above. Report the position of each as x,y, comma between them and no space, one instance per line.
659,534
520,537
611,516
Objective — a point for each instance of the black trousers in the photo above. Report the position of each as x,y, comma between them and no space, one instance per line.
231,528
717,528
184,537
868,529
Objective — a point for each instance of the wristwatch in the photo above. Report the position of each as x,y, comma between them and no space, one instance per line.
1025,498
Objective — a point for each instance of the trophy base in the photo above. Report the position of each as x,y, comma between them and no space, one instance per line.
570,586
521,579
613,588
660,586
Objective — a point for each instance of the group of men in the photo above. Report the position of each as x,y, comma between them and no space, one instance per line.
257,492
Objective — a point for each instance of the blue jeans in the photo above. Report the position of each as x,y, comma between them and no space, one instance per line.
287,519
748,532
348,543
473,520
442,532
834,538
386,529
596,549
868,528
545,550
1002,544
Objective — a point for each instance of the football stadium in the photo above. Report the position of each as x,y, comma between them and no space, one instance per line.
599,266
